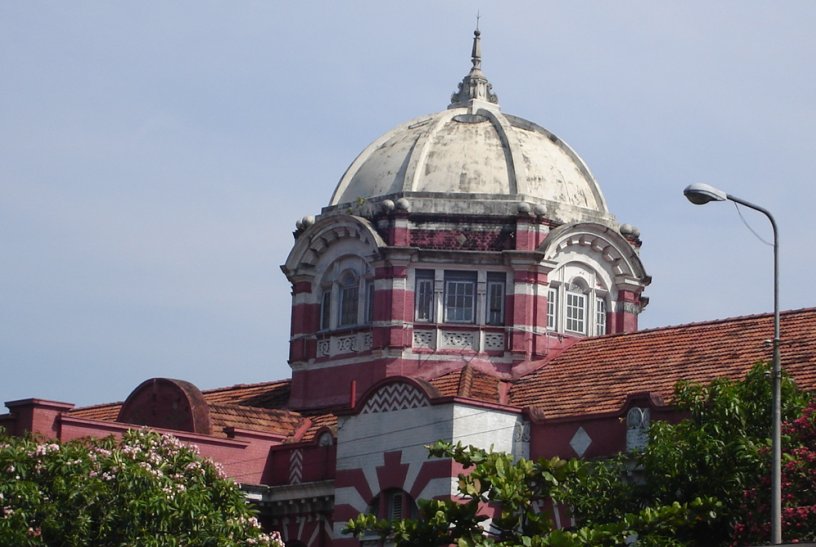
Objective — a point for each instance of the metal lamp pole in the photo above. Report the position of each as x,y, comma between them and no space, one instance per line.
700,194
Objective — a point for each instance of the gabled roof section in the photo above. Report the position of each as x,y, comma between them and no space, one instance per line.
470,383
595,375
278,422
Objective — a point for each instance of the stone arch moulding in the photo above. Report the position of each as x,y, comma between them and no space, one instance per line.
317,240
603,243
340,268
396,393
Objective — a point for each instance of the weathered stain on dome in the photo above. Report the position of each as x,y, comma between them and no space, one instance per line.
473,152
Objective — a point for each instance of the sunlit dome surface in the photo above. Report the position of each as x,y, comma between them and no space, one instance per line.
472,150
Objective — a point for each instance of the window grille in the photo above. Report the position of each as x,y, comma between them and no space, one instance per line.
395,506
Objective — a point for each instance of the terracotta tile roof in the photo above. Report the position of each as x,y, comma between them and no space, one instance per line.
448,384
469,383
255,407
593,376
280,422
262,395
105,412
325,418
596,374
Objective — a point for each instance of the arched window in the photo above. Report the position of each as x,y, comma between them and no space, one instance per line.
637,428
577,301
325,439
349,299
393,504
346,295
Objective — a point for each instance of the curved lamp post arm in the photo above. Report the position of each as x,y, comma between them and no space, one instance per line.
776,465
700,194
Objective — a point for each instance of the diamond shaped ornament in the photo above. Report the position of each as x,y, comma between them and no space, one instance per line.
580,442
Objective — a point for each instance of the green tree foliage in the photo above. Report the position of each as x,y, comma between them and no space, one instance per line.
720,450
521,488
147,489
692,484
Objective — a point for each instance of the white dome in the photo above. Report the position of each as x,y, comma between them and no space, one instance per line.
472,158
471,151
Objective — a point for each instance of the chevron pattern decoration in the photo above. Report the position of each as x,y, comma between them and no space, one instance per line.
295,466
396,396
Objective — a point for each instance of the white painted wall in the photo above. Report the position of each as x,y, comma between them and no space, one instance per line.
362,440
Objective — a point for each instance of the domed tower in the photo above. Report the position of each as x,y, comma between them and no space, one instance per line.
464,237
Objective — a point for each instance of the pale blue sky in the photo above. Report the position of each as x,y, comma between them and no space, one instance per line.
154,157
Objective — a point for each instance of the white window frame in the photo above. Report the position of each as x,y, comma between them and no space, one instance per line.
369,309
348,310
460,297
424,305
578,302
552,308
325,308
600,316
575,312
495,296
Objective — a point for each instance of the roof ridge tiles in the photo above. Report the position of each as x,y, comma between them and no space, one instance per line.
258,409
246,386
96,406
679,326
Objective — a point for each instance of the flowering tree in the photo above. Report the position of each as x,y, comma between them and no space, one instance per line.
147,489
798,480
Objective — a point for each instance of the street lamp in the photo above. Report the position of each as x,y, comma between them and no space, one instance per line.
700,194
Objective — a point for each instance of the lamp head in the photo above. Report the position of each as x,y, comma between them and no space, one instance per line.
700,193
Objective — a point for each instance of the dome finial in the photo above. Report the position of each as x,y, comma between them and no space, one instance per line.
474,86
476,53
